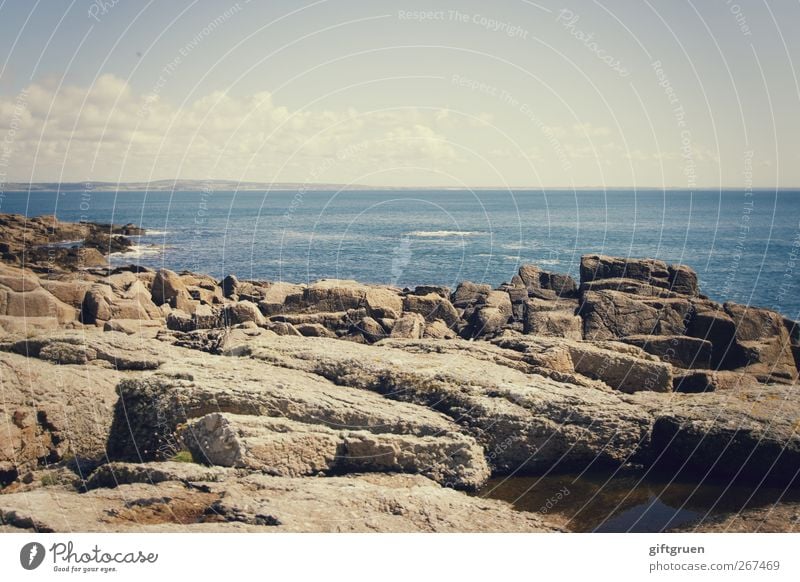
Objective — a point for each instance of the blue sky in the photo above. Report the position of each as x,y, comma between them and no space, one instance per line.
518,93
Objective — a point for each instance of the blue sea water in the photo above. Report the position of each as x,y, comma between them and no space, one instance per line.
745,246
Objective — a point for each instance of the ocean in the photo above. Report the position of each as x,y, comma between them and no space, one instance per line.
745,245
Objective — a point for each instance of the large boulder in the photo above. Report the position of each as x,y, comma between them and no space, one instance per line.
747,433
382,302
556,323
241,312
491,316
167,287
275,296
410,326
534,279
678,350
468,293
51,412
328,295
678,279
432,307
288,448
611,314
152,407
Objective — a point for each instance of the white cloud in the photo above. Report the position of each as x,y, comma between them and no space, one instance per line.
106,132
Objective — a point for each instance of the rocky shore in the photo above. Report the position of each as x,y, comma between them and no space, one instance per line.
139,400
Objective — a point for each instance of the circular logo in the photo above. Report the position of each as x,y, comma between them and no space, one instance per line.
31,555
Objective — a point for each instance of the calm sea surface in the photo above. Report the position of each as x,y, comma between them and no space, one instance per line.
743,244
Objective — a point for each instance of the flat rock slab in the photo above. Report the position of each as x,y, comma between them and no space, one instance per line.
152,405
260,503
522,420
288,448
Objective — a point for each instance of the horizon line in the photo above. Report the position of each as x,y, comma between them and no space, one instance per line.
171,184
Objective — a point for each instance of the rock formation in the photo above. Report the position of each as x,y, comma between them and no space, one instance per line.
295,405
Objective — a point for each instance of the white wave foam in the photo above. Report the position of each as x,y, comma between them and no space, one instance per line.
443,233
138,251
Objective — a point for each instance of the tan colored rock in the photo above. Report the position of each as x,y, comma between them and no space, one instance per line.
524,421
240,312
383,303
166,287
554,323
410,326
49,412
260,503
438,330
432,307
291,449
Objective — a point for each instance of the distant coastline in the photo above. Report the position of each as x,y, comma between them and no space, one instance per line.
233,185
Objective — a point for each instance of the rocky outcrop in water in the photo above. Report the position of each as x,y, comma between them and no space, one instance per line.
282,397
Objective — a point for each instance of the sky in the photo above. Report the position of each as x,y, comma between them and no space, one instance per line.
515,93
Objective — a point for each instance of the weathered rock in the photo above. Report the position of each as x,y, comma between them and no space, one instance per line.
683,280
112,350
410,326
152,406
563,323
22,296
440,290
282,328
371,329
438,330
229,285
432,307
468,293
260,503
748,433
167,287
524,422
620,371
144,328
314,330
328,295
534,279
491,316
383,303
612,314
754,324
288,448
678,350
275,296
712,324
241,312
605,267
49,412
629,286
113,475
